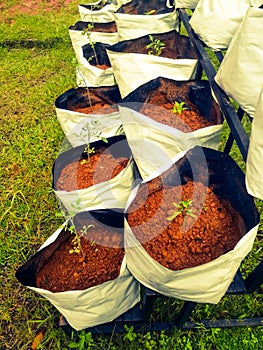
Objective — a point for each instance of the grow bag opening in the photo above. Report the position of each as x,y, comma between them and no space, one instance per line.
159,91
96,54
117,146
111,220
109,27
81,97
177,46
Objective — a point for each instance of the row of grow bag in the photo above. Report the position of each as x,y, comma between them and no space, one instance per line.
170,158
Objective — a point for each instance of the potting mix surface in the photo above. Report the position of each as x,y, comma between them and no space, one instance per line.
160,109
206,229
98,108
99,261
101,166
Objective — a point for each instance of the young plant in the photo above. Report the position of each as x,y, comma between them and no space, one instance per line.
76,241
183,207
155,47
179,107
91,132
87,31
78,66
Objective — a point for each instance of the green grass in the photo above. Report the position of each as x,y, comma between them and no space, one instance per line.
36,55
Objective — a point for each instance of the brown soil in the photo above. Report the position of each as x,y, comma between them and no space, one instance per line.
185,241
75,271
187,121
105,27
157,101
101,167
99,108
93,100
102,66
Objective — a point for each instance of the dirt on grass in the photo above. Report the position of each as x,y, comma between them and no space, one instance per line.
31,7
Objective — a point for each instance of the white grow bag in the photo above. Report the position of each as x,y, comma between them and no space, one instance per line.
254,164
206,283
89,13
135,26
240,74
216,22
156,146
105,195
186,4
96,305
81,128
79,38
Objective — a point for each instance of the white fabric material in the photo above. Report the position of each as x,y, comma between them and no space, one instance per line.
135,26
109,194
206,283
73,124
88,75
79,39
240,74
216,21
186,4
155,146
104,15
134,69
254,164
121,2
98,304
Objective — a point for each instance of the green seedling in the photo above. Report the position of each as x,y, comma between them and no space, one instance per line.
149,13
179,107
88,150
90,132
76,241
183,207
87,31
155,47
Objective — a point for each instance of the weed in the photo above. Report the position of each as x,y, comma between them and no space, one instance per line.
182,208
83,341
130,334
155,47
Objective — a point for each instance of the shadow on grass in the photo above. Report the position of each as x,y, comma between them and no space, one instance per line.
30,44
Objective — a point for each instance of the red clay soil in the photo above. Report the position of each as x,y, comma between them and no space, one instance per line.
101,167
185,241
98,108
74,271
102,66
187,121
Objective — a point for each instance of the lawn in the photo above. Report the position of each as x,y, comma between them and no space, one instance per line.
36,67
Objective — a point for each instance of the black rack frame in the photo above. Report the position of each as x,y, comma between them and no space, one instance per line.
139,316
